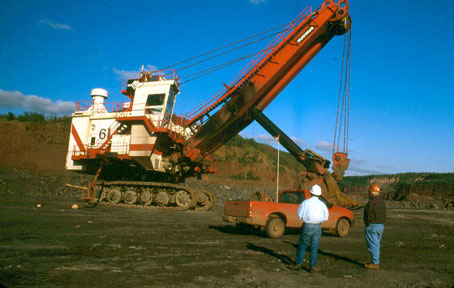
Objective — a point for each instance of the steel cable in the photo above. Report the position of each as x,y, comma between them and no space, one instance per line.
223,47
343,106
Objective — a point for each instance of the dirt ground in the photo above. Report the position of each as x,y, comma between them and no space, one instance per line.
125,247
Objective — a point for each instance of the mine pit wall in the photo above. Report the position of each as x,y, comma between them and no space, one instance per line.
438,191
422,191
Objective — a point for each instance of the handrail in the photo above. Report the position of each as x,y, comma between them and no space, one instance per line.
110,106
157,75
121,148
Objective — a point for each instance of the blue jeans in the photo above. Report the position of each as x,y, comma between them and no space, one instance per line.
312,233
373,234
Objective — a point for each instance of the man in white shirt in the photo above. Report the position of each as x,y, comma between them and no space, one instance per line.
313,212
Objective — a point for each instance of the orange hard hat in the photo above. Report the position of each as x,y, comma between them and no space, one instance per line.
374,188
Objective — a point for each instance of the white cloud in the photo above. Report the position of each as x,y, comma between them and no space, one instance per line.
363,171
361,167
132,74
33,103
270,140
10,99
324,146
300,142
256,2
266,138
57,26
125,74
262,138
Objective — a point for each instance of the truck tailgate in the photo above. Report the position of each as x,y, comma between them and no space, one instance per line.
237,208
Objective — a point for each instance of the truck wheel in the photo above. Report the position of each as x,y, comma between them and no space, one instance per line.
343,227
275,227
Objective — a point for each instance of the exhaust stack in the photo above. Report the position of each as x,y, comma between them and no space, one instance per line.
98,95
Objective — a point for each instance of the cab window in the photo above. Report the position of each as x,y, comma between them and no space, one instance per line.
170,103
292,198
327,203
155,99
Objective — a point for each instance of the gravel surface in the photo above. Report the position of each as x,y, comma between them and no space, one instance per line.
55,246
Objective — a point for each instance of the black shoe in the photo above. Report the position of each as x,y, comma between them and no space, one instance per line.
294,267
312,269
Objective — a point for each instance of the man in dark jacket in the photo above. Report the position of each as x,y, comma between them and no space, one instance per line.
374,218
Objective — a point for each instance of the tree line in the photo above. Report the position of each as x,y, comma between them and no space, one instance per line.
35,117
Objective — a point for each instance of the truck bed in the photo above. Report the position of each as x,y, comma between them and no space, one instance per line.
258,212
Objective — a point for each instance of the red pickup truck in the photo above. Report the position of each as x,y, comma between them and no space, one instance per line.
275,217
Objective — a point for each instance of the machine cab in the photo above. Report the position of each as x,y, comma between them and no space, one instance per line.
155,103
154,96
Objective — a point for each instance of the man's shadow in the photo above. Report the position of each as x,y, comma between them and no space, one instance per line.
286,260
283,258
249,230
238,229
329,254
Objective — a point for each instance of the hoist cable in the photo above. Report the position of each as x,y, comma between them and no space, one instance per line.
338,100
345,97
343,102
220,66
215,68
228,51
347,116
349,79
223,47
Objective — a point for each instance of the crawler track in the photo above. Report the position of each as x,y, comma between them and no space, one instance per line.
153,195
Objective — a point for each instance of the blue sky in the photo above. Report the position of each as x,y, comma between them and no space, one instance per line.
52,53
